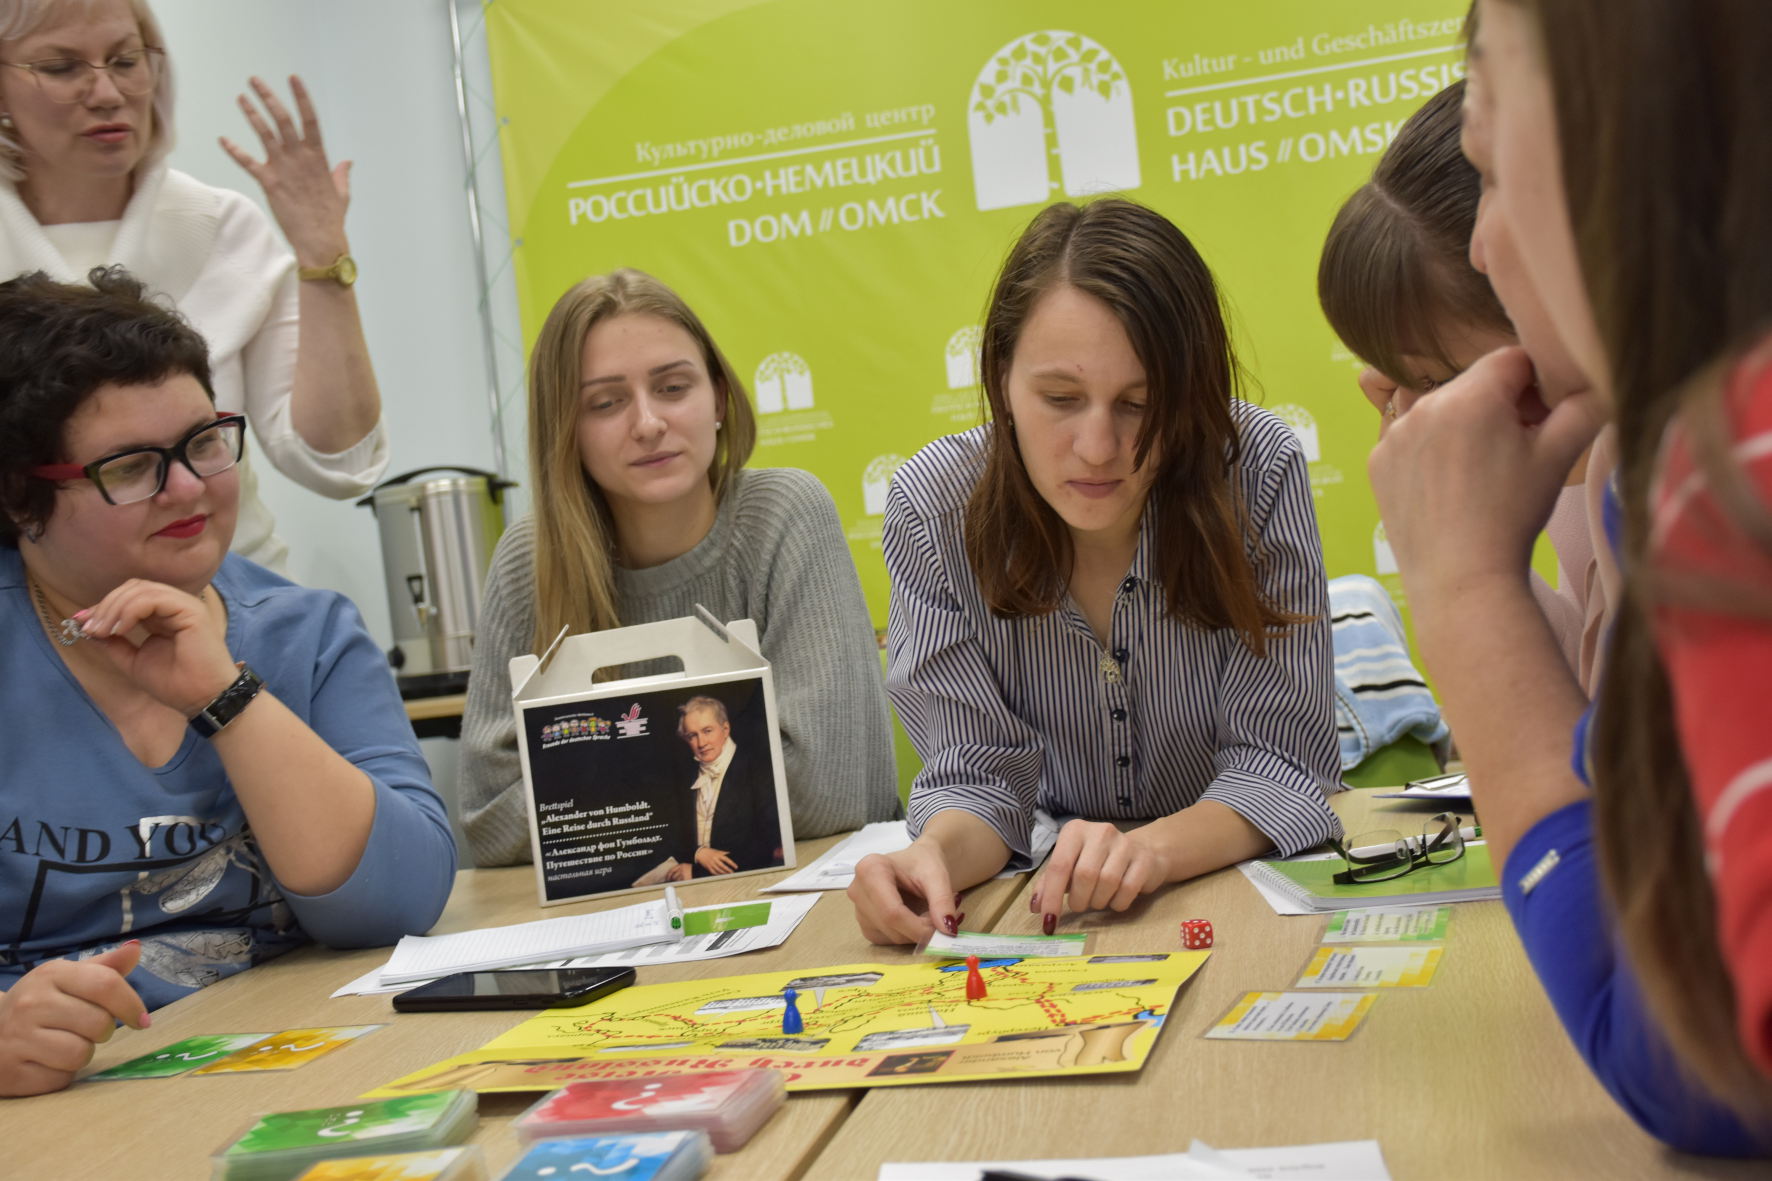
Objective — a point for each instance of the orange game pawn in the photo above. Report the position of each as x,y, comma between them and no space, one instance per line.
974,980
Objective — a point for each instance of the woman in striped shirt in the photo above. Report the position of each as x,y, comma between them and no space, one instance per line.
1108,602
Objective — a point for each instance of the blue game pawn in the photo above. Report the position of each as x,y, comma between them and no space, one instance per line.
790,1013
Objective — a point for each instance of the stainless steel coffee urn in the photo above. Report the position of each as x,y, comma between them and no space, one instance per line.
437,537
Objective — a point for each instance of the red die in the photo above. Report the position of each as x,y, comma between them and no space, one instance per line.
1196,933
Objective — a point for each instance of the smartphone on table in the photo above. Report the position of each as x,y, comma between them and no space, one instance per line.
515,988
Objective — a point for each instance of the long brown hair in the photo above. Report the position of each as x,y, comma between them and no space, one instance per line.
1396,264
1155,283
574,538
1662,119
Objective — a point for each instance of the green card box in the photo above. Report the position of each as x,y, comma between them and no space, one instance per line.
282,1145
1311,883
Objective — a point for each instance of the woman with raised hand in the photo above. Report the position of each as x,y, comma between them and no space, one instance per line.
639,430
1108,602
206,765
86,89
1622,143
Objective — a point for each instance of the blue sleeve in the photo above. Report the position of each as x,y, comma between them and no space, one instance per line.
1552,890
408,866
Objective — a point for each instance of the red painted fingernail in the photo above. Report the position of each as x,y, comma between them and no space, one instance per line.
1036,904
82,614
951,925
956,902
1048,924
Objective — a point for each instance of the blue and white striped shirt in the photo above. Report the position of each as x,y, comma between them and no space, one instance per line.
1010,715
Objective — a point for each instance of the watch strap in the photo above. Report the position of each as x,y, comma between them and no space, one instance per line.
342,270
228,704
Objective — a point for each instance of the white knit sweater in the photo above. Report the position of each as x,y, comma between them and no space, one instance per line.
222,263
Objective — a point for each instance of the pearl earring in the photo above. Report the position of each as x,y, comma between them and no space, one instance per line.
5,122
718,425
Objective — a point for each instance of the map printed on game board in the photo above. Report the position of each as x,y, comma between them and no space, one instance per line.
865,1025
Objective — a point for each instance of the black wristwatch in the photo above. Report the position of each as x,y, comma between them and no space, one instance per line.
227,705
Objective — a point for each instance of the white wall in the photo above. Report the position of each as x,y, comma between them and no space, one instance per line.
382,78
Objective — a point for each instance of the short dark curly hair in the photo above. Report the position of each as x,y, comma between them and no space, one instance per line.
59,344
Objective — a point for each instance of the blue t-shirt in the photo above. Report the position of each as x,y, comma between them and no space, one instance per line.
96,848
1551,885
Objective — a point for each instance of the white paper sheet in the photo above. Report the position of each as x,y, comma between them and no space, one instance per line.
836,869
1351,1160
1454,789
426,957
784,915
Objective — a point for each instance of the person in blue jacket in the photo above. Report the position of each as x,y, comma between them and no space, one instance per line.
205,764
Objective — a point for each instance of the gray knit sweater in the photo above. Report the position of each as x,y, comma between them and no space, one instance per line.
777,555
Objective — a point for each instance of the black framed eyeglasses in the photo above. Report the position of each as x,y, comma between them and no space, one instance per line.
1383,856
71,79
209,449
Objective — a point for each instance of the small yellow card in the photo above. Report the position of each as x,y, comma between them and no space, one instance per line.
1370,967
1294,1016
428,1165
288,1050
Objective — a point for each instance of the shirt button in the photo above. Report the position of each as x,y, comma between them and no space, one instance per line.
1120,655
1130,585
1119,715
1124,801
1123,761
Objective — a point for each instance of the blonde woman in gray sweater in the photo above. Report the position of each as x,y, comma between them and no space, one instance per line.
638,434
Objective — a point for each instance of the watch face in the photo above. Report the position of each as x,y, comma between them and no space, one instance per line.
346,269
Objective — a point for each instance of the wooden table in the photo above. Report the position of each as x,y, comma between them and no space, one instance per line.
167,1128
1469,1077
436,717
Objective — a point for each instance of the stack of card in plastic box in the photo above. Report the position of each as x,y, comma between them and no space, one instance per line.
281,1145
461,1163
729,1105
682,1155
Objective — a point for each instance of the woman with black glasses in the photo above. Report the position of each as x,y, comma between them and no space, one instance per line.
85,123
205,765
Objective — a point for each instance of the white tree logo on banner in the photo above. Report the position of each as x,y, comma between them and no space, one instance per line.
1046,95
1382,557
1305,427
876,478
962,356
783,382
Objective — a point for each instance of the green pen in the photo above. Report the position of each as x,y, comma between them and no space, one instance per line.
675,910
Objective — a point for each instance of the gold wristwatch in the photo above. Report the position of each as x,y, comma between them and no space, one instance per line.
343,271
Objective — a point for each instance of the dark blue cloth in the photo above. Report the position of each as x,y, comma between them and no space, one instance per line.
1566,926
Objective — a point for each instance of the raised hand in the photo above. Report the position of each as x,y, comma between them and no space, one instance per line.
307,196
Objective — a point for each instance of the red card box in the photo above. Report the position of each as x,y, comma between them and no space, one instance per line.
729,1105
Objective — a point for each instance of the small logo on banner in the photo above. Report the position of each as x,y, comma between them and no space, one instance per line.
631,724
1045,100
876,478
783,382
1382,556
1304,425
962,357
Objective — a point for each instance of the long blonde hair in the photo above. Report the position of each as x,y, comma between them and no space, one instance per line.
574,537
21,18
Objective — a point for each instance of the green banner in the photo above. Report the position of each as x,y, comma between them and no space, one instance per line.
832,187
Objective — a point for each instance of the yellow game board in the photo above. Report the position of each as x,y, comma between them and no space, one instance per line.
866,1025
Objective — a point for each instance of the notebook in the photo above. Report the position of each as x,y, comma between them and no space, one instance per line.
1311,882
